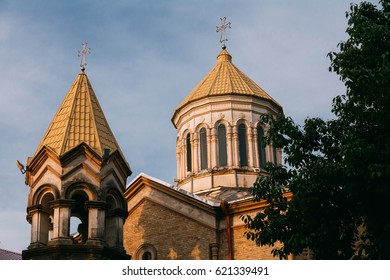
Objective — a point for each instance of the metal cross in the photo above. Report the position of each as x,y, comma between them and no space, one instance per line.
83,54
222,28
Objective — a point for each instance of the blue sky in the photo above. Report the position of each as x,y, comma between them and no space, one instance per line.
146,57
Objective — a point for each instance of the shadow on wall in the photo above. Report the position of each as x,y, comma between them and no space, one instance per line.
160,233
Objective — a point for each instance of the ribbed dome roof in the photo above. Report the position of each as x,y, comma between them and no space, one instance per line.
225,78
79,119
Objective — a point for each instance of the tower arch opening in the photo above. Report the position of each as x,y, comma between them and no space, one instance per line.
79,218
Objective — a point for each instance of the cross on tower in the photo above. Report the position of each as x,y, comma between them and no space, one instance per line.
83,54
222,28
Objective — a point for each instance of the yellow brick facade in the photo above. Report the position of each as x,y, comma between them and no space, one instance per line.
177,225
244,249
174,236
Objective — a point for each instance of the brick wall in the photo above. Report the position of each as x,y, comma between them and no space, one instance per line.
244,249
174,236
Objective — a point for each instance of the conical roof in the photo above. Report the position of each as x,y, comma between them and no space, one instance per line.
79,119
225,78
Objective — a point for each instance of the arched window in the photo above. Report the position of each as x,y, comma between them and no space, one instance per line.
261,147
222,151
203,148
275,154
242,144
146,252
188,150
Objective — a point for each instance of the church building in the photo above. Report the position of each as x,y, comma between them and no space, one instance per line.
79,170
220,154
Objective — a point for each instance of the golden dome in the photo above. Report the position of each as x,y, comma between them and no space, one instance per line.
225,79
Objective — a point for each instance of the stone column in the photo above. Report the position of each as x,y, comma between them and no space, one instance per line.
61,221
214,149
250,147
178,160
235,148
39,217
183,165
114,228
210,147
256,159
96,222
195,154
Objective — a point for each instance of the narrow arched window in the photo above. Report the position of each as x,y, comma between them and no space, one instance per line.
261,147
188,151
242,144
275,154
203,148
222,150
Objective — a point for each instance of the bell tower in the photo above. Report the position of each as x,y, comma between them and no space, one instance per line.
78,172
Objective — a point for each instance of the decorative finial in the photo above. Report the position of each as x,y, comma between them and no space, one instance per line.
83,53
222,28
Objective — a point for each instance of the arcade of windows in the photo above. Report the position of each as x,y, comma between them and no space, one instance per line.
241,141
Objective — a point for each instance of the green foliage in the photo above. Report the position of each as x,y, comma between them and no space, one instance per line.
337,170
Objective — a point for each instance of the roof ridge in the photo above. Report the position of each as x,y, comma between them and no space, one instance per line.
93,122
9,251
71,112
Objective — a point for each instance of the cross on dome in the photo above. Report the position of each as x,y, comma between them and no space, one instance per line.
83,53
223,28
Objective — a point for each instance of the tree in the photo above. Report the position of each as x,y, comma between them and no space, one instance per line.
338,170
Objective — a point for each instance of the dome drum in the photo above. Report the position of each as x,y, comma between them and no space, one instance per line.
219,137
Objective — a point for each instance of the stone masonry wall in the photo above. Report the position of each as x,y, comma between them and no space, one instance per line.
174,236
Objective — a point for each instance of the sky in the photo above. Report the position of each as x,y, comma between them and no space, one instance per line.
146,57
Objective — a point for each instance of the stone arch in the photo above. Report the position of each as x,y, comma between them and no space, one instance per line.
201,125
242,120
146,252
114,199
86,189
80,194
41,214
185,133
221,121
42,191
